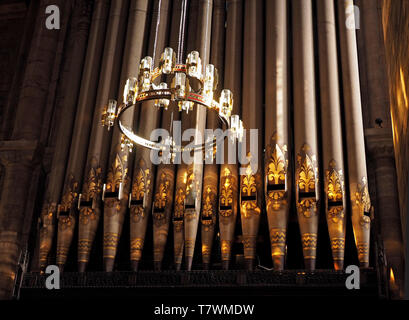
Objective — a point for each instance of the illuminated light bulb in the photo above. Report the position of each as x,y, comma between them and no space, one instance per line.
226,102
210,81
179,84
145,77
194,65
109,113
164,103
130,90
167,61
185,106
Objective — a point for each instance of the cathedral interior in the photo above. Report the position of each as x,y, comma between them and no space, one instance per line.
325,83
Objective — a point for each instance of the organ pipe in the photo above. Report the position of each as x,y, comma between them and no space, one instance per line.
251,183
211,171
198,122
229,177
333,164
276,161
90,204
144,170
355,144
67,210
118,181
165,173
305,129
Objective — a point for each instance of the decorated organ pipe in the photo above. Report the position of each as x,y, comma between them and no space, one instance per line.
181,172
163,198
90,201
229,172
332,157
70,87
276,161
140,202
305,129
251,181
197,121
67,211
355,144
211,169
118,181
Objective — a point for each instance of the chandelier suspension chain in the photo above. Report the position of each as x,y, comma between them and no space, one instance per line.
182,29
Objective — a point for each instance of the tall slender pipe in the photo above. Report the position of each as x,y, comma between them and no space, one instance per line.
305,129
143,176
98,148
67,210
251,183
355,144
118,182
229,177
211,171
333,166
276,162
165,174
69,90
197,121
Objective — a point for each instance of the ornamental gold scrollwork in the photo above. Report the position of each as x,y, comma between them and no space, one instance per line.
179,209
116,174
249,189
307,178
190,194
47,217
140,189
226,194
70,194
363,202
335,192
276,173
86,215
93,183
160,200
208,208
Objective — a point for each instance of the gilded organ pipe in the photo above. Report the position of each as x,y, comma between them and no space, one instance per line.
90,202
211,170
163,200
141,195
333,163
355,144
305,129
118,181
197,121
229,177
67,211
276,158
251,183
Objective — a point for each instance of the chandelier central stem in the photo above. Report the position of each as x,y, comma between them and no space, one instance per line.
182,29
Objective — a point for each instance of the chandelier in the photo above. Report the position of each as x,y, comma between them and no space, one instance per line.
188,86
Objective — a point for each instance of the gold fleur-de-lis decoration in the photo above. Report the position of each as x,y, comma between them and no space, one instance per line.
116,174
93,183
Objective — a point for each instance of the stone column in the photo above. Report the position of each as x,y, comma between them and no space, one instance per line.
229,177
380,140
380,150
305,129
20,154
333,157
